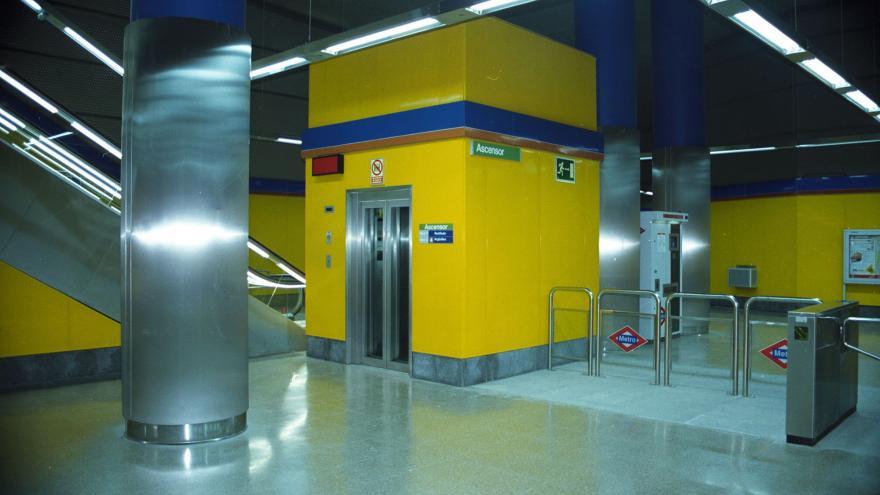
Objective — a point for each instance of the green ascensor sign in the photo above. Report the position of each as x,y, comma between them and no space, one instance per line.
493,150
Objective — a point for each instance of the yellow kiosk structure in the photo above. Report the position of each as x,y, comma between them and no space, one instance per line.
452,180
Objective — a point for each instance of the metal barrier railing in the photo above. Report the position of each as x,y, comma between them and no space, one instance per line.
552,325
845,334
734,348
747,346
600,316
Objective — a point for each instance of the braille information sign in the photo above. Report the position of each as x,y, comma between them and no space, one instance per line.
435,233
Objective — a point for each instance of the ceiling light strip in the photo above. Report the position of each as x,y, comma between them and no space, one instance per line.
739,12
377,33
94,50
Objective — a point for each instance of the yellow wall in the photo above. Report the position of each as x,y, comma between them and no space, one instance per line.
36,319
528,233
517,233
278,222
795,241
486,61
436,173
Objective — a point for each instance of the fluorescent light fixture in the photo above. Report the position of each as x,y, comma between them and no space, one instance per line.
4,131
33,5
88,170
289,140
103,57
714,2
877,117
113,150
742,150
8,116
7,124
826,74
28,92
253,247
645,158
767,32
55,152
649,193
862,100
290,272
494,6
278,67
384,35
255,279
63,134
837,143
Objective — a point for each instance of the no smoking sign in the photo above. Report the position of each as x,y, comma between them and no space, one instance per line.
377,171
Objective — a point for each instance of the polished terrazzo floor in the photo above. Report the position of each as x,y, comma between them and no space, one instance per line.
319,427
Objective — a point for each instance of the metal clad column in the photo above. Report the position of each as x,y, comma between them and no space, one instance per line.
681,168
606,28
186,118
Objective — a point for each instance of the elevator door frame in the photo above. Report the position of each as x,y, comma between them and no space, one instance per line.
356,273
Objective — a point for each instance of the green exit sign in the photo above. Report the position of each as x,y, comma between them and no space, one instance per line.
564,170
493,150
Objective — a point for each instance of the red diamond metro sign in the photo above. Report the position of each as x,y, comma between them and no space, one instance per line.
627,339
778,353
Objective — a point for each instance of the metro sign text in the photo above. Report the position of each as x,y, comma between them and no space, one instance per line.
778,353
627,339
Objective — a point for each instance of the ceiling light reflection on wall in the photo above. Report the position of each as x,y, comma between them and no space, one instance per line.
495,5
767,32
28,92
89,47
384,35
278,67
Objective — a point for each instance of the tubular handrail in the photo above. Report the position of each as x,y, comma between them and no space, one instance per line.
747,346
734,351
844,329
552,323
640,294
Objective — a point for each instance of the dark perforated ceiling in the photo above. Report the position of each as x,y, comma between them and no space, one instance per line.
753,96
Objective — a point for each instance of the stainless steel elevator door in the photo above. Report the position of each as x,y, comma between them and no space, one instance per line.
378,297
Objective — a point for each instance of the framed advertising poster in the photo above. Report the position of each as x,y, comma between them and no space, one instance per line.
861,257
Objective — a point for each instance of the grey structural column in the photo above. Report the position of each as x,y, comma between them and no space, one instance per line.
681,167
606,29
185,128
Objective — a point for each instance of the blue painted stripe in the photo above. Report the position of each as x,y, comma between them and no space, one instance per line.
230,12
450,116
798,186
261,185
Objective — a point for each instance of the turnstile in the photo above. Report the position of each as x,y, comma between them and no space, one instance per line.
822,385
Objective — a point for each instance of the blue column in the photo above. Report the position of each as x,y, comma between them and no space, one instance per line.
677,40
606,29
681,166
230,12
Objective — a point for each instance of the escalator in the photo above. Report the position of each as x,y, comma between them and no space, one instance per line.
60,224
